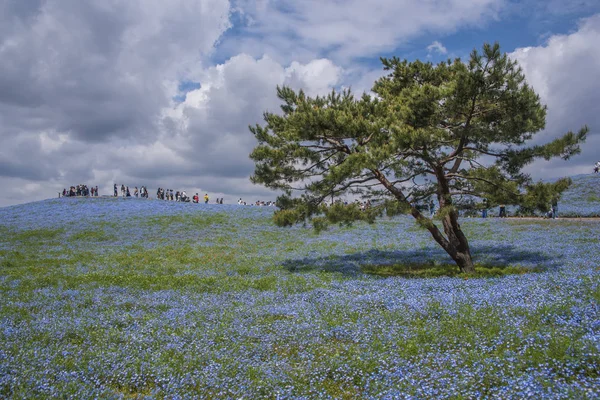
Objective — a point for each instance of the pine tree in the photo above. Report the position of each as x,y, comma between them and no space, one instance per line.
447,131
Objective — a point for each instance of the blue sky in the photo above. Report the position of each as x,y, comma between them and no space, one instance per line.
518,25
155,93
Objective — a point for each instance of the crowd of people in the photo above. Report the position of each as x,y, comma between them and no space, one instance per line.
256,203
182,196
79,190
161,194
125,192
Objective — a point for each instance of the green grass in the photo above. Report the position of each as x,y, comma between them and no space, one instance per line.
592,198
435,270
96,235
35,235
196,221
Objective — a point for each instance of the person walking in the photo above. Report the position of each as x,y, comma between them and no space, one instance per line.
206,198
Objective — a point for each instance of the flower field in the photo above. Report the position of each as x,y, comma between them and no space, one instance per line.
582,198
136,298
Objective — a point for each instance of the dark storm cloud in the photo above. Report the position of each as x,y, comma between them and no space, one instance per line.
22,9
96,69
26,169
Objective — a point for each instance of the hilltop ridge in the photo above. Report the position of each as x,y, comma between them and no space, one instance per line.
581,199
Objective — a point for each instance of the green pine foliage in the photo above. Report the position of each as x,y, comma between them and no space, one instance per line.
449,131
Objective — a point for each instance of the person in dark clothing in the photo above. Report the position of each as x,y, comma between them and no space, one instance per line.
484,211
502,211
554,208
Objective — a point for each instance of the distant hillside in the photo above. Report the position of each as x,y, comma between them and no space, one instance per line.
582,199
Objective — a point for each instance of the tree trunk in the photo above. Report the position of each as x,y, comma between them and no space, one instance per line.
463,260
459,249
455,243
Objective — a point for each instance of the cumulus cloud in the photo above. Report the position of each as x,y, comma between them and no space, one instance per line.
355,28
565,72
210,128
201,144
97,69
93,72
436,47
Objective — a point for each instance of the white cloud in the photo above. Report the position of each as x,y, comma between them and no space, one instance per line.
96,69
210,128
201,144
355,28
565,72
316,77
79,79
436,47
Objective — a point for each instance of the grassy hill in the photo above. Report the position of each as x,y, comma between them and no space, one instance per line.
582,199
134,298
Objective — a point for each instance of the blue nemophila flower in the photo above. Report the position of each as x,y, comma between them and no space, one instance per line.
206,301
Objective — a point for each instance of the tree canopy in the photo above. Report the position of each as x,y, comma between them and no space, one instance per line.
447,131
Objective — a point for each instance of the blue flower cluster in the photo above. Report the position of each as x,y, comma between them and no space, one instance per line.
582,198
322,330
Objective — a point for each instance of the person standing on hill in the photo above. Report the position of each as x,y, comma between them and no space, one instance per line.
206,198
502,211
116,192
554,208
597,167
